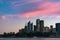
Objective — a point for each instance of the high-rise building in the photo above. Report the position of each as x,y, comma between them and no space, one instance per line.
37,24
57,27
35,28
54,30
51,28
25,28
29,27
46,29
41,25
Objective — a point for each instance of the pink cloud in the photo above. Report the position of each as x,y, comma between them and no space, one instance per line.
41,9
49,6
3,17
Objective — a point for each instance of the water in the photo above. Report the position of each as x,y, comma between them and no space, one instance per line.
29,38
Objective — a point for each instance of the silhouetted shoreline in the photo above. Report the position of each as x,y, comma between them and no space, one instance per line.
30,35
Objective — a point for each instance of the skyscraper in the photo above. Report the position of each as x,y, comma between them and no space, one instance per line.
25,28
35,28
41,25
51,28
57,27
29,27
37,24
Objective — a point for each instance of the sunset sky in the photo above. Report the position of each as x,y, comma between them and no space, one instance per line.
14,14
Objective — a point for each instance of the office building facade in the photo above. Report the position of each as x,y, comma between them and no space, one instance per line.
57,27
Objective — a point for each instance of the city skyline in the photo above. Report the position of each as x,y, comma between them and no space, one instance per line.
38,30
14,14
39,26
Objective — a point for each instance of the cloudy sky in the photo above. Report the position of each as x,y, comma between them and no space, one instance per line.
14,14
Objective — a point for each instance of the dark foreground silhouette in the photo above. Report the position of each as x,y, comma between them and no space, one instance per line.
29,35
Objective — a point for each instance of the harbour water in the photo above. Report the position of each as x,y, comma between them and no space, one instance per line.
29,38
